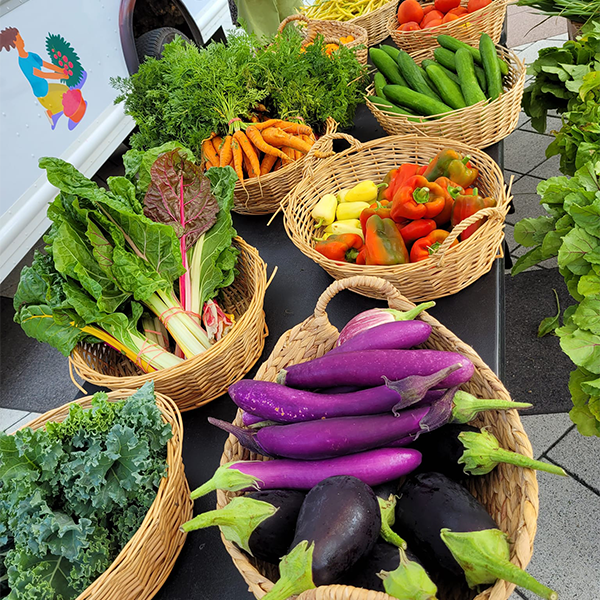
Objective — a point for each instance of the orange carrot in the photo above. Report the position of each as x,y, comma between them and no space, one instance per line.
268,123
254,135
277,165
249,151
277,137
226,153
295,128
309,140
209,153
290,152
238,159
217,141
267,164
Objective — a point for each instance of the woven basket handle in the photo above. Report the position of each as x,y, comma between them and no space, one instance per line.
376,283
295,18
323,148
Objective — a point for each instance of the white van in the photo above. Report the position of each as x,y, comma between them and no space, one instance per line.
56,59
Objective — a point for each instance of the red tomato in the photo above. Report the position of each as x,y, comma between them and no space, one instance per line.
449,17
446,5
410,26
434,14
474,5
459,12
409,11
432,23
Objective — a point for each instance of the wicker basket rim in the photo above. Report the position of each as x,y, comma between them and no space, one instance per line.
373,13
361,36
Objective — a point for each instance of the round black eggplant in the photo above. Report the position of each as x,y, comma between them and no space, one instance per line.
341,516
430,502
272,538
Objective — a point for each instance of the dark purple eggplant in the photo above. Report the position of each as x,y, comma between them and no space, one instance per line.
403,573
338,524
461,450
367,368
453,532
261,523
279,403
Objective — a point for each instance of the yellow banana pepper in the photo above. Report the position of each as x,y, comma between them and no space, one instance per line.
324,211
345,226
341,195
365,191
350,210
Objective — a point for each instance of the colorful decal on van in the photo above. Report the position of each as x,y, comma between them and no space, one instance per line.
64,98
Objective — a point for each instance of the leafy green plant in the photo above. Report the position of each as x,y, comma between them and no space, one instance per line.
73,494
577,10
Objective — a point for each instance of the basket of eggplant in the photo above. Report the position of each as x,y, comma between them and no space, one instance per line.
376,463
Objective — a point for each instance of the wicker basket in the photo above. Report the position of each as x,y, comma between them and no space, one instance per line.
205,377
445,273
376,22
509,493
480,125
332,31
467,28
145,562
262,195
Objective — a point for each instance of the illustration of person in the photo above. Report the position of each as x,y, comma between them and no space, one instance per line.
56,98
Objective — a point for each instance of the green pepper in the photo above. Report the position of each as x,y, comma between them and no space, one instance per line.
383,242
466,205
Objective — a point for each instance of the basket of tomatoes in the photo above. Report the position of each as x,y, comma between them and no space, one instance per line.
415,26
426,214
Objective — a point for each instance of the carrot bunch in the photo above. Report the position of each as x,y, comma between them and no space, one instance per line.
258,148
414,17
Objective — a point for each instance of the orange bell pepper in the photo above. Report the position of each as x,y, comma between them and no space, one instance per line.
424,247
384,244
418,199
417,229
343,247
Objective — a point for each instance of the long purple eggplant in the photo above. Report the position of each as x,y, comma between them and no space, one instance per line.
274,402
377,316
394,335
372,467
367,368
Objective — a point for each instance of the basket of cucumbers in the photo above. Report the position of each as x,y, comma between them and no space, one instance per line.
457,91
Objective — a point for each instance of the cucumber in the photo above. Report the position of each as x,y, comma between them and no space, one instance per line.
386,104
491,66
387,66
447,59
449,91
447,41
468,80
410,72
380,82
420,103
390,50
428,81
448,72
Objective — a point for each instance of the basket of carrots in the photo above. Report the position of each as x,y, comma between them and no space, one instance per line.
267,157
426,214
415,26
343,506
334,32
466,92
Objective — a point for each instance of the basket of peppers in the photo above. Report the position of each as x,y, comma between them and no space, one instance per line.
426,214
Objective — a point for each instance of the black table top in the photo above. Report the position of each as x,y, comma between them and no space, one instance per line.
204,570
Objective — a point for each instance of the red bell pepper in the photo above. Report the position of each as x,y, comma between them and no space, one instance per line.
449,188
417,229
383,209
388,181
403,173
342,247
466,205
418,199
384,243
424,247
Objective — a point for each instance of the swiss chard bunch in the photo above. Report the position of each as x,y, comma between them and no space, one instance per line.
571,232
74,493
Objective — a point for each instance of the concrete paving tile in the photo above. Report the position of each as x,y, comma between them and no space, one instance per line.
523,121
545,430
552,124
10,416
525,200
565,554
549,168
524,151
530,26
22,422
579,455
530,54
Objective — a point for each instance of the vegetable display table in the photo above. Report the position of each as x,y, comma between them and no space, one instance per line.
204,570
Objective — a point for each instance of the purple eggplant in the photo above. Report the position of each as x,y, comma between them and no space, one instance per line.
395,335
328,438
453,532
261,523
338,524
372,467
378,316
367,368
403,574
274,402
248,420
461,450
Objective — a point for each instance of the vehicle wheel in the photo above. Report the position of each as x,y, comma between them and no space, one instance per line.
152,43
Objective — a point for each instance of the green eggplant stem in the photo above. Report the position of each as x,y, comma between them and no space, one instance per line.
295,570
519,460
388,518
409,315
466,406
225,478
409,581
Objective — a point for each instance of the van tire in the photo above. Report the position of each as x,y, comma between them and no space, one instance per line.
152,43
